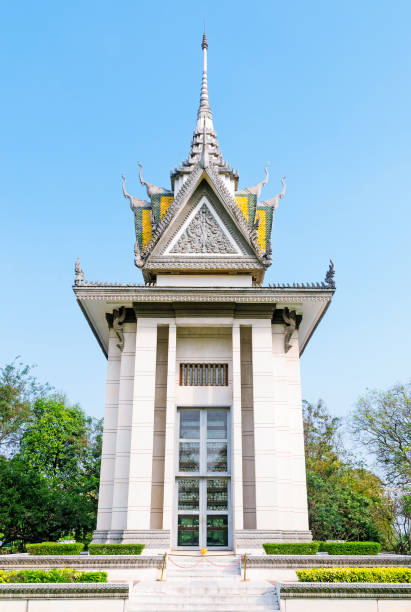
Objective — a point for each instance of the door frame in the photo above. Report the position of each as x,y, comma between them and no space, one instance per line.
203,477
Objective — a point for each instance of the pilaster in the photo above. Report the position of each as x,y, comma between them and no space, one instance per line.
237,452
109,436
125,408
170,428
142,426
264,425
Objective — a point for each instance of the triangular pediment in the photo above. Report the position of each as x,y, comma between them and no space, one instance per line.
203,233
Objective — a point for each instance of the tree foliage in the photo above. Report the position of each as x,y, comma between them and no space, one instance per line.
49,475
382,423
18,389
344,501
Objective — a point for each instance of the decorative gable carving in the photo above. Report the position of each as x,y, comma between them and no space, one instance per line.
203,234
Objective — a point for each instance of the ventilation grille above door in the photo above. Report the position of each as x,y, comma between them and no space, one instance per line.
203,374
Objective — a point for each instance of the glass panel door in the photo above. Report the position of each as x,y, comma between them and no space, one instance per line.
203,483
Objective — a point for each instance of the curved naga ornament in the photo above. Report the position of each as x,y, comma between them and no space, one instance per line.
273,202
256,189
135,204
290,320
151,189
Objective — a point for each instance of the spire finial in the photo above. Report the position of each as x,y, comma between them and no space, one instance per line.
204,110
204,44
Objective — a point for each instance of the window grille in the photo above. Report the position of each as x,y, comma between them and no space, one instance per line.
203,374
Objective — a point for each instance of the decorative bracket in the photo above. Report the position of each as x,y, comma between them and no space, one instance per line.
290,320
119,316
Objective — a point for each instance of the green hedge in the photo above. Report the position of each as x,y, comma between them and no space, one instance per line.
291,548
53,575
350,548
355,574
53,548
115,549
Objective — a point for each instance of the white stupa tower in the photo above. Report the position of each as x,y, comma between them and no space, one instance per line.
203,434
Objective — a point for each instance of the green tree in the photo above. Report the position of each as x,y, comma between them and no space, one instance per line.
18,390
63,446
55,441
382,424
344,501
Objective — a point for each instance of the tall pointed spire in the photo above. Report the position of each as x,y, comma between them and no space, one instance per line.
204,110
204,145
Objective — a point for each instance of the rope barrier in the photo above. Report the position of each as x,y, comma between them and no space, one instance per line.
226,564
184,566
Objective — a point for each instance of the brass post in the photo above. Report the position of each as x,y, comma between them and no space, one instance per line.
161,579
245,579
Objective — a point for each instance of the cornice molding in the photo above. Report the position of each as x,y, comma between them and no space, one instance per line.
170,294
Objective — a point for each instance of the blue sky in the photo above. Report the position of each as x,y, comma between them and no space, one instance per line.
321,89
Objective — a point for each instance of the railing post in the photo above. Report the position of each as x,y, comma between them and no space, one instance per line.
161,579
245,579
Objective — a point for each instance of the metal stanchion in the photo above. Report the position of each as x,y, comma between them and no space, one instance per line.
162,579
245,579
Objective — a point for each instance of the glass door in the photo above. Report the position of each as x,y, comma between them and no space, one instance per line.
203,479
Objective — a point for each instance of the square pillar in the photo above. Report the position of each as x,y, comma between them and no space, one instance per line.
264,426
125,409
237,446
142,427
109,438
169,475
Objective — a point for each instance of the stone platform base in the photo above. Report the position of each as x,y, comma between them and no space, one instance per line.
151,538
254,538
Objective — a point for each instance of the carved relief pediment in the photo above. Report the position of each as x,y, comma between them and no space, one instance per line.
203,233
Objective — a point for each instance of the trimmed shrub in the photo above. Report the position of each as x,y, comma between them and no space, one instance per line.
53,575
350,548
355,574
54,548
115,549
291,548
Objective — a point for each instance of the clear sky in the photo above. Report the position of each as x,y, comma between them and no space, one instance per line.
321,89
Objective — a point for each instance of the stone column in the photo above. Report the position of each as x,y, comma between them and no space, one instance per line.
264,426
292,501
237,452
109,441
170,429
122,458
142,426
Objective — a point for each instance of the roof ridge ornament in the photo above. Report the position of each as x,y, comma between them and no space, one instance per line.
256,189
151,189
329,277
273,202
78,273
135,203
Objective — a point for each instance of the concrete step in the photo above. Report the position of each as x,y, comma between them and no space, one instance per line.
199,595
